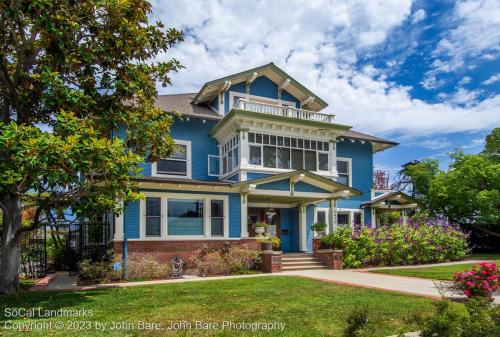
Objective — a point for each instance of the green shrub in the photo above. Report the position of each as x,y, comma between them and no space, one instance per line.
147,268
423,242
358,323
479,320
90,272
228,260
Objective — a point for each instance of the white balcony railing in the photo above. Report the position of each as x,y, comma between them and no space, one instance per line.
284,111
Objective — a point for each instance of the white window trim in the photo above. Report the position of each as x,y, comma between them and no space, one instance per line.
208,165
350,211
232,95
187,143
349,163
207,225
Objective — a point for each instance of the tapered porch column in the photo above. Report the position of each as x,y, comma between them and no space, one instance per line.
302,228
404,216
244,215
119,225
332,214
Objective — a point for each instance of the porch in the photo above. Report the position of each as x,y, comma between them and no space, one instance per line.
287,202
390,202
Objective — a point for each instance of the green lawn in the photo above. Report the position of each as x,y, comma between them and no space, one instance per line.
305,306
441,272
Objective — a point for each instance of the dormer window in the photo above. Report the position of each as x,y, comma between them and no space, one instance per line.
178,165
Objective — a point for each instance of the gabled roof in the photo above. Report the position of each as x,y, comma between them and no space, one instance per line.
305,176
400,197
270,70
183,104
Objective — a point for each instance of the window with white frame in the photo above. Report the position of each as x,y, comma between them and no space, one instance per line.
185,217
230,154
178,164
343,219
217,217
153,217
283,152
321,217
344,170
181,215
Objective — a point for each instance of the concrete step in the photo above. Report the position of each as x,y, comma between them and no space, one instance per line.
303,263
288,268
298,259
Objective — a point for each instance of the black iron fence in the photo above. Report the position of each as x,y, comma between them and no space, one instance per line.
62,246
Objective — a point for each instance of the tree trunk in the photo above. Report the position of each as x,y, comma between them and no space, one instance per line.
11,245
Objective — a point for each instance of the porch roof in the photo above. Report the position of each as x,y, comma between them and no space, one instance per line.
392,200
329,189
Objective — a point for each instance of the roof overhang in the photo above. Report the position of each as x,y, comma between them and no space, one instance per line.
392,201
240,119
284,81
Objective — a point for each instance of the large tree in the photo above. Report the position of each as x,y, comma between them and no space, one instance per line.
468,192
73,74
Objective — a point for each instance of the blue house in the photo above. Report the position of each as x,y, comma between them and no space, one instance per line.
255,146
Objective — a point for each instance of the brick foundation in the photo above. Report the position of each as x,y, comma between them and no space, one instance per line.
164,251
271,261
332,258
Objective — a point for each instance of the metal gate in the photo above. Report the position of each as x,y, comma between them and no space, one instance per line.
34,253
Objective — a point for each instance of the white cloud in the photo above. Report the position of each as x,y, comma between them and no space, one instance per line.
318,43
476,35
493,79
418,16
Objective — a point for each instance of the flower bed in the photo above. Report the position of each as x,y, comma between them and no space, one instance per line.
398,244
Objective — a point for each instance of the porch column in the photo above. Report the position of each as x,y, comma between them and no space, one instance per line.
119,225
332,214
333,157
302,228
244,215
404,216
374,217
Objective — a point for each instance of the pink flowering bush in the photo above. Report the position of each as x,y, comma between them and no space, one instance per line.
481,281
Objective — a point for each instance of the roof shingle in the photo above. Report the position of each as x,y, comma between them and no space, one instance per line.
183,104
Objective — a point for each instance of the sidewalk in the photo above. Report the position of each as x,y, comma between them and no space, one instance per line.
425,265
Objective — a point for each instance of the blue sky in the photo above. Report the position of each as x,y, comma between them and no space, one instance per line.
423,73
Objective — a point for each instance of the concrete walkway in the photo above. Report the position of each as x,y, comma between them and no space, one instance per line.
425,265
401,284
61,281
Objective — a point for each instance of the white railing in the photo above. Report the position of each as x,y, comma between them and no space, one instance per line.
284,111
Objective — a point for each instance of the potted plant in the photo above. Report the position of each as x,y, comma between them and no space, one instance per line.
260,228
268,242
319,228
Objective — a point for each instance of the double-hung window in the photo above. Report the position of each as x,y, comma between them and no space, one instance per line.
153,217
178,164
344,170
281,152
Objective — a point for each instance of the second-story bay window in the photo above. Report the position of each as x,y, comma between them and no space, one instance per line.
230,154
281,152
